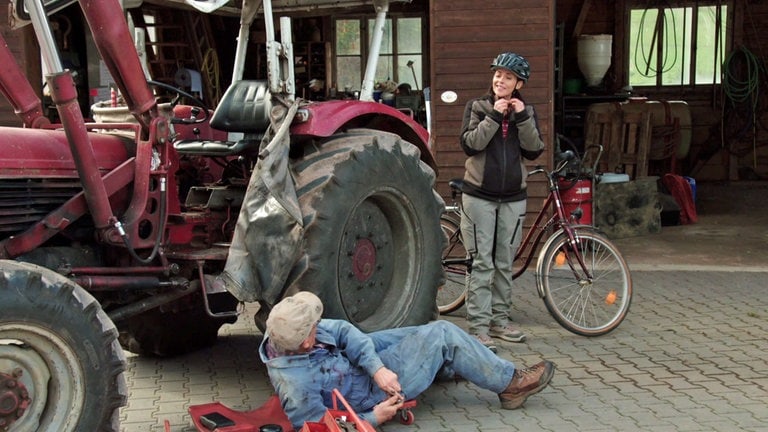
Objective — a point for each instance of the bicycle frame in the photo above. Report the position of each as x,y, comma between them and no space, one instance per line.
581,276
558,220
544,221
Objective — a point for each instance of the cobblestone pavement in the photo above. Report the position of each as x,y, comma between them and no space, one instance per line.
690,356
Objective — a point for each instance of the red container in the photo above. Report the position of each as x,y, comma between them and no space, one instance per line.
576,195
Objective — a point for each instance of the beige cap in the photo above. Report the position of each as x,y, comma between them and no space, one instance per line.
291,320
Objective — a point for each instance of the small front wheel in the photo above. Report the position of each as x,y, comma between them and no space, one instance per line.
589,300
61,366
406,417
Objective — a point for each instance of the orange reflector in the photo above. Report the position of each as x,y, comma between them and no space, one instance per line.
560,258
610,298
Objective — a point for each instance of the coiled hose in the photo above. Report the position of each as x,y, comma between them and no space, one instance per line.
741,89
741,85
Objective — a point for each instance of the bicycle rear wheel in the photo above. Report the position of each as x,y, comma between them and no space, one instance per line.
452,295
588,304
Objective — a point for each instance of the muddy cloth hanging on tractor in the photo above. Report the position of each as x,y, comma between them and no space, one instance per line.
269,227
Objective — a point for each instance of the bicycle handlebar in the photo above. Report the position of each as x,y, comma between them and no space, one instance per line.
567,155
565,158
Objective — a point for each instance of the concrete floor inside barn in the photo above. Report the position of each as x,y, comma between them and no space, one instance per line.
732,230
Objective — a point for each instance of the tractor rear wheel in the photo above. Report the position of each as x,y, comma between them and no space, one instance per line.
372,230
60,361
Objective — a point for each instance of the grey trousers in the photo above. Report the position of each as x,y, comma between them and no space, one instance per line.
492,232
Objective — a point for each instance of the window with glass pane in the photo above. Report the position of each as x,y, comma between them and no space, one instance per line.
348,54
384,68
409,59
400,53
711,49
676,46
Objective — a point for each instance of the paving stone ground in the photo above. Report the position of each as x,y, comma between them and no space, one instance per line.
690,356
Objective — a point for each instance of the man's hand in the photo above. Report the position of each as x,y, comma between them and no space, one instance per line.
387,409
387,381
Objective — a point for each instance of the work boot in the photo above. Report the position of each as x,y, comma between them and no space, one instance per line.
526,382
485,340
507,333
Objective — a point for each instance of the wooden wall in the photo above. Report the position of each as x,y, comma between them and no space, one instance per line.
465,37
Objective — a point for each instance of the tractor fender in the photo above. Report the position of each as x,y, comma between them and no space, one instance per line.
324,119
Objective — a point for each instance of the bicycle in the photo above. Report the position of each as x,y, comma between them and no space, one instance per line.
580,274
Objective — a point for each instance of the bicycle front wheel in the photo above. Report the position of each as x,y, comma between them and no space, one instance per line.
452,295
589,300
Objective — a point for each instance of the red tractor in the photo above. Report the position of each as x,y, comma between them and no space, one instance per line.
148,234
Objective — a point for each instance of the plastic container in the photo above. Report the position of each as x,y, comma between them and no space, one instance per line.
577,195
614,178
388,98
594,57
691,181
572,86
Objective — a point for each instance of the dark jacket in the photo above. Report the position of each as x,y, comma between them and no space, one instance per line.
495,169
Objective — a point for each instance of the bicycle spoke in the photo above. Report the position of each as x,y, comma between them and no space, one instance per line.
578,306
588,306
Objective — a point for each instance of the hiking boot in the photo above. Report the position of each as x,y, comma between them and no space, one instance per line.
485,340
507,333
526,382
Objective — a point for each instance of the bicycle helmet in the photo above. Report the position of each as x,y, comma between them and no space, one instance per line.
514,62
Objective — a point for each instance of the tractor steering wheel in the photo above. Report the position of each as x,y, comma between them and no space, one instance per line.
195,102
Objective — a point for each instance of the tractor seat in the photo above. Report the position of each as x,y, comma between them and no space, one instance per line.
244,108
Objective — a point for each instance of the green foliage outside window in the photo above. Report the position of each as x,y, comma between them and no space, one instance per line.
665,47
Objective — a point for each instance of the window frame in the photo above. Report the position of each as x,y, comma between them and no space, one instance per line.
366,26
688,77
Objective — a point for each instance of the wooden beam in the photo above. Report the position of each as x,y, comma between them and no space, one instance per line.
582,17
